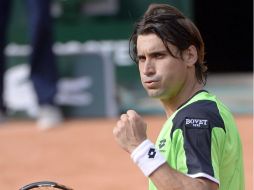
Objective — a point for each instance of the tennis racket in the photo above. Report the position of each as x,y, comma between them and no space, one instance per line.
45,185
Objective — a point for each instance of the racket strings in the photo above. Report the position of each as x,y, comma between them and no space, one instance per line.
45,185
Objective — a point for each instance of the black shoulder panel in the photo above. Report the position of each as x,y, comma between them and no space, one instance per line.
196,122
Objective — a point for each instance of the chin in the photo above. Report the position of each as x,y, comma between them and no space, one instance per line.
159,94
154,94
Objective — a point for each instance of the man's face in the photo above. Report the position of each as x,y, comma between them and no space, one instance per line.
162,75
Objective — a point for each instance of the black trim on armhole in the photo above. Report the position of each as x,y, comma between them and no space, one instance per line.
196,122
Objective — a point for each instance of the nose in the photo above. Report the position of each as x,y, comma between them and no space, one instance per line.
149,68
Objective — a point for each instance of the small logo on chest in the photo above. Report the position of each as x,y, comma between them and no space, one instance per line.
162,143
196,123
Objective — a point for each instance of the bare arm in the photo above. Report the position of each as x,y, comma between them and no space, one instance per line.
166,178
130,132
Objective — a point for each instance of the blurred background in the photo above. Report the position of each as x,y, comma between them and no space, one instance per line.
98,81
97,77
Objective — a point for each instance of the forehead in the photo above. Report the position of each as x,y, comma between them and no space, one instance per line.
149,43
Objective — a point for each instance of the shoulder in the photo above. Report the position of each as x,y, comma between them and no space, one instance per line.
200,114
200,108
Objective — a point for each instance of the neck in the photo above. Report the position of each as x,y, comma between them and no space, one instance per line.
171,105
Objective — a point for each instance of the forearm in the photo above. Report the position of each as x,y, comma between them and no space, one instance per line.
130,134
154,165
166,178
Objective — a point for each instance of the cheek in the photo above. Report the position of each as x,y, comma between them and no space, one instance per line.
174,73
141,77
141,74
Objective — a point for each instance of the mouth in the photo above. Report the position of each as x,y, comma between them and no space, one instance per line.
150,81
151,84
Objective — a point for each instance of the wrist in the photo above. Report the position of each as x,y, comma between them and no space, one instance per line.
147,157
134,147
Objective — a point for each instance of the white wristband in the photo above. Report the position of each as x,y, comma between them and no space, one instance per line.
147,157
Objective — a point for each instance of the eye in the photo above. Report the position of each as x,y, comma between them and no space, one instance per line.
159,55
141,58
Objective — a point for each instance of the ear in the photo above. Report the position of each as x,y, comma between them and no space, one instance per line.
190,55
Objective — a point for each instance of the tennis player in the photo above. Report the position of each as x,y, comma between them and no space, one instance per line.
198,146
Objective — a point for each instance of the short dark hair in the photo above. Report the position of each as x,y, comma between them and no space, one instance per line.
171,26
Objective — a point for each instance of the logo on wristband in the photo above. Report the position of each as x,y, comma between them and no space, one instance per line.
151,153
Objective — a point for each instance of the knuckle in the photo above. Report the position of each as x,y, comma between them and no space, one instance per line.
131,114
124,117
119,124
116,132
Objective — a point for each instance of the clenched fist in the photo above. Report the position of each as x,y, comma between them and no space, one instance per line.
130,131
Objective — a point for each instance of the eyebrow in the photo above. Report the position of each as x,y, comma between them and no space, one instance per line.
155,52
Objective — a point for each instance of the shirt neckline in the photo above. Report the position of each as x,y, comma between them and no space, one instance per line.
196,93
